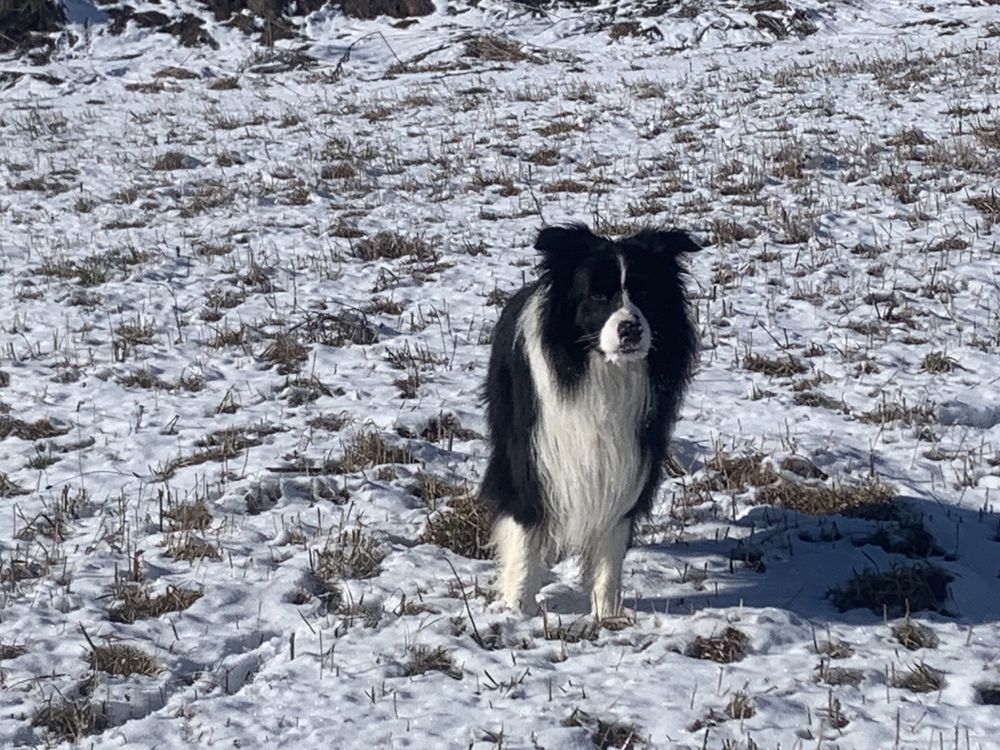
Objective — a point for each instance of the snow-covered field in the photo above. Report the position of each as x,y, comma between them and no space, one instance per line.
246,303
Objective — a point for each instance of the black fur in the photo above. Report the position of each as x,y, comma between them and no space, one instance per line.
581,273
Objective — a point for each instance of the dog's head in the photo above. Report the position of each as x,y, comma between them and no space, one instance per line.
613,295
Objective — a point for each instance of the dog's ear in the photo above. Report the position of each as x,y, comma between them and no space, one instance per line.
670,241
562,246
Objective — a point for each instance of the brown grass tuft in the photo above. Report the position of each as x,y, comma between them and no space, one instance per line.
898,591
9,488
354,554
38,430
190,548
913,635
70,720
782,367
464,528
123,660
820,500
391,246
726,648
11,651
731,473
425,659
135,602
367,449
919,678
938,362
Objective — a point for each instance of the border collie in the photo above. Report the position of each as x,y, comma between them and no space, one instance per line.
586,374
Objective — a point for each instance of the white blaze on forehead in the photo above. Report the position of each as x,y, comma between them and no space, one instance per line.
609,343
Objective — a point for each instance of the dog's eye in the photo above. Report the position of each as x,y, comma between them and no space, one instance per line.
598,297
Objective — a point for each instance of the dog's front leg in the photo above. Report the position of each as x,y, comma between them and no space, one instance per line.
602,569
519,552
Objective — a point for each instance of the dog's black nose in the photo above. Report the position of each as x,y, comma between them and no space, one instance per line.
629,332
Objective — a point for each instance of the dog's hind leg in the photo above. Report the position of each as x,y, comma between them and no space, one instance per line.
602,569
520,568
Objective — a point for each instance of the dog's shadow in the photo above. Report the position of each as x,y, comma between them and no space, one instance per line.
797,563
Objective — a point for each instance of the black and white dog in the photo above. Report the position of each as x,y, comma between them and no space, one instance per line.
586,375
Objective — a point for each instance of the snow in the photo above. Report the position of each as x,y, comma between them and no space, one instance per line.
889,299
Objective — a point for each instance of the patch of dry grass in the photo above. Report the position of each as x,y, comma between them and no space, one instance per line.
191,516
121,659
11,651
424,659
919,678
445,427
730,646
497,49
606,734
913,635
38,430
900,590
837,676
781,367
70,720
387,245
9,488
938,362
463,527
353,554
900,411
367,449
821,499
134,602
734,473
188,547
286,352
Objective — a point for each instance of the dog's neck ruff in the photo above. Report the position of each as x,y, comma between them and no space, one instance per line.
587,440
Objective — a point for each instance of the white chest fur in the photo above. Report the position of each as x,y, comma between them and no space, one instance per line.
586,443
